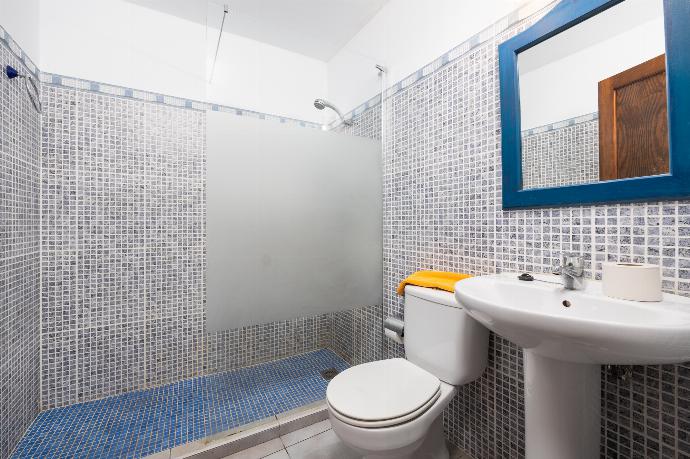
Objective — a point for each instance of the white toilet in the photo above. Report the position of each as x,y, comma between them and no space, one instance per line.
394,407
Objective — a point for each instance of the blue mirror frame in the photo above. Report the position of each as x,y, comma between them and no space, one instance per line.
674,185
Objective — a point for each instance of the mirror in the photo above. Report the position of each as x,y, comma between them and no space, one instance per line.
593,99
595,104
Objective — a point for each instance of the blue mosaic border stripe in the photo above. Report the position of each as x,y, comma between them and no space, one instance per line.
158,98
562,124
144,422
449,57
147,96
135,94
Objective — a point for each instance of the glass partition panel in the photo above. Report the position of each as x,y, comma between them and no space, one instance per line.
293,221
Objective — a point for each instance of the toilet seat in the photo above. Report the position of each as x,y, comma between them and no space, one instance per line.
382,393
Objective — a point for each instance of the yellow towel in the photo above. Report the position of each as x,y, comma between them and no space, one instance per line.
435,279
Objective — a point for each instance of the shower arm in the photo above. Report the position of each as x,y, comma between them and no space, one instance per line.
34,97
342,118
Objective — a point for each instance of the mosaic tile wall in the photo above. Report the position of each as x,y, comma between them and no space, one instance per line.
19,255
123,257
566,155
442,210
365,124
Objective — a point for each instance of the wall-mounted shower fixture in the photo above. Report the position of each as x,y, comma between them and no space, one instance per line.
380,68
226,10
29,83
320,104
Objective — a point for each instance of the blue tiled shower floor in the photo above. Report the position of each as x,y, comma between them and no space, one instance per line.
139,423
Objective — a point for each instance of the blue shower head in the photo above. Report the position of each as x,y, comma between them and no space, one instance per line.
11,72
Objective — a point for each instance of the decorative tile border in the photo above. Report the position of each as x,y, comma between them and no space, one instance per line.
135,94
158,98
476,40
87,85
563,153
561,124
6,39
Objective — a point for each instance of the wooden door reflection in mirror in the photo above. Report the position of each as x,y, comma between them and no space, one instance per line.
633,122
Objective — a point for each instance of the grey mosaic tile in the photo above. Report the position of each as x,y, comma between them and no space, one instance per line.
566,155
366,124
357,334
19,253
442,191
441,211
121,184
123,263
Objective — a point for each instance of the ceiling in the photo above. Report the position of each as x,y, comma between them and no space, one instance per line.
315,28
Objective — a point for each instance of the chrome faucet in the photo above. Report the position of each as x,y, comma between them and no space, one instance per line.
572,271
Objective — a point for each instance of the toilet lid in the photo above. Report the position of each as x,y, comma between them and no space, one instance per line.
382,390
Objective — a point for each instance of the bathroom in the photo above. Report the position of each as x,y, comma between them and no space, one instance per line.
344,229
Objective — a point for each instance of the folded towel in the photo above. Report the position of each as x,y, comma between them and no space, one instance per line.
434,279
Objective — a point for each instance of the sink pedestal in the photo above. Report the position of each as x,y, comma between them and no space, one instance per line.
562,408
555,327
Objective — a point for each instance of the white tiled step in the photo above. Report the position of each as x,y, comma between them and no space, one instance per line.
301,434
317,441
244,439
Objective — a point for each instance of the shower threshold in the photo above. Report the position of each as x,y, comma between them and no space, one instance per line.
223,410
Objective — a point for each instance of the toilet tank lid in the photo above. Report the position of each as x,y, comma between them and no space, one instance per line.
434,295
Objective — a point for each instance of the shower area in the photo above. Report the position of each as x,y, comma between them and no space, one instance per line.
191,240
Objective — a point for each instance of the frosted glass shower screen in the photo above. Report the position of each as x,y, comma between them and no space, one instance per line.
293,221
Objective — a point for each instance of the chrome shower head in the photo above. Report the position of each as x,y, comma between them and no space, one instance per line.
320,104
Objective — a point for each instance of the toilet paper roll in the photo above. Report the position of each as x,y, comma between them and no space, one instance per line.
394,336
632,281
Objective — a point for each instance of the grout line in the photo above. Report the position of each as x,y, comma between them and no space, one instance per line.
308,438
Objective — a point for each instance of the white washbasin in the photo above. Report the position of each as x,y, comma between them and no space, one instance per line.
594,329
564,347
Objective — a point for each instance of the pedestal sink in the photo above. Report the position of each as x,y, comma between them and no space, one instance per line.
566,335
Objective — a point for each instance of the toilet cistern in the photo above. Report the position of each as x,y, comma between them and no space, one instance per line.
393,408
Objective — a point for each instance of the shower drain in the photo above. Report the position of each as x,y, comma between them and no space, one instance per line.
329,373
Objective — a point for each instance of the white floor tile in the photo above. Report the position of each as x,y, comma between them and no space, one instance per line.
302,434
259,451
325,445
282,454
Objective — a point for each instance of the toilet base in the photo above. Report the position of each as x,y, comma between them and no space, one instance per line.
433,446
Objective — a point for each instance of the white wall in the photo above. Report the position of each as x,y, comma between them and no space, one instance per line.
559,77
405,36
256,76
124,43
21,19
